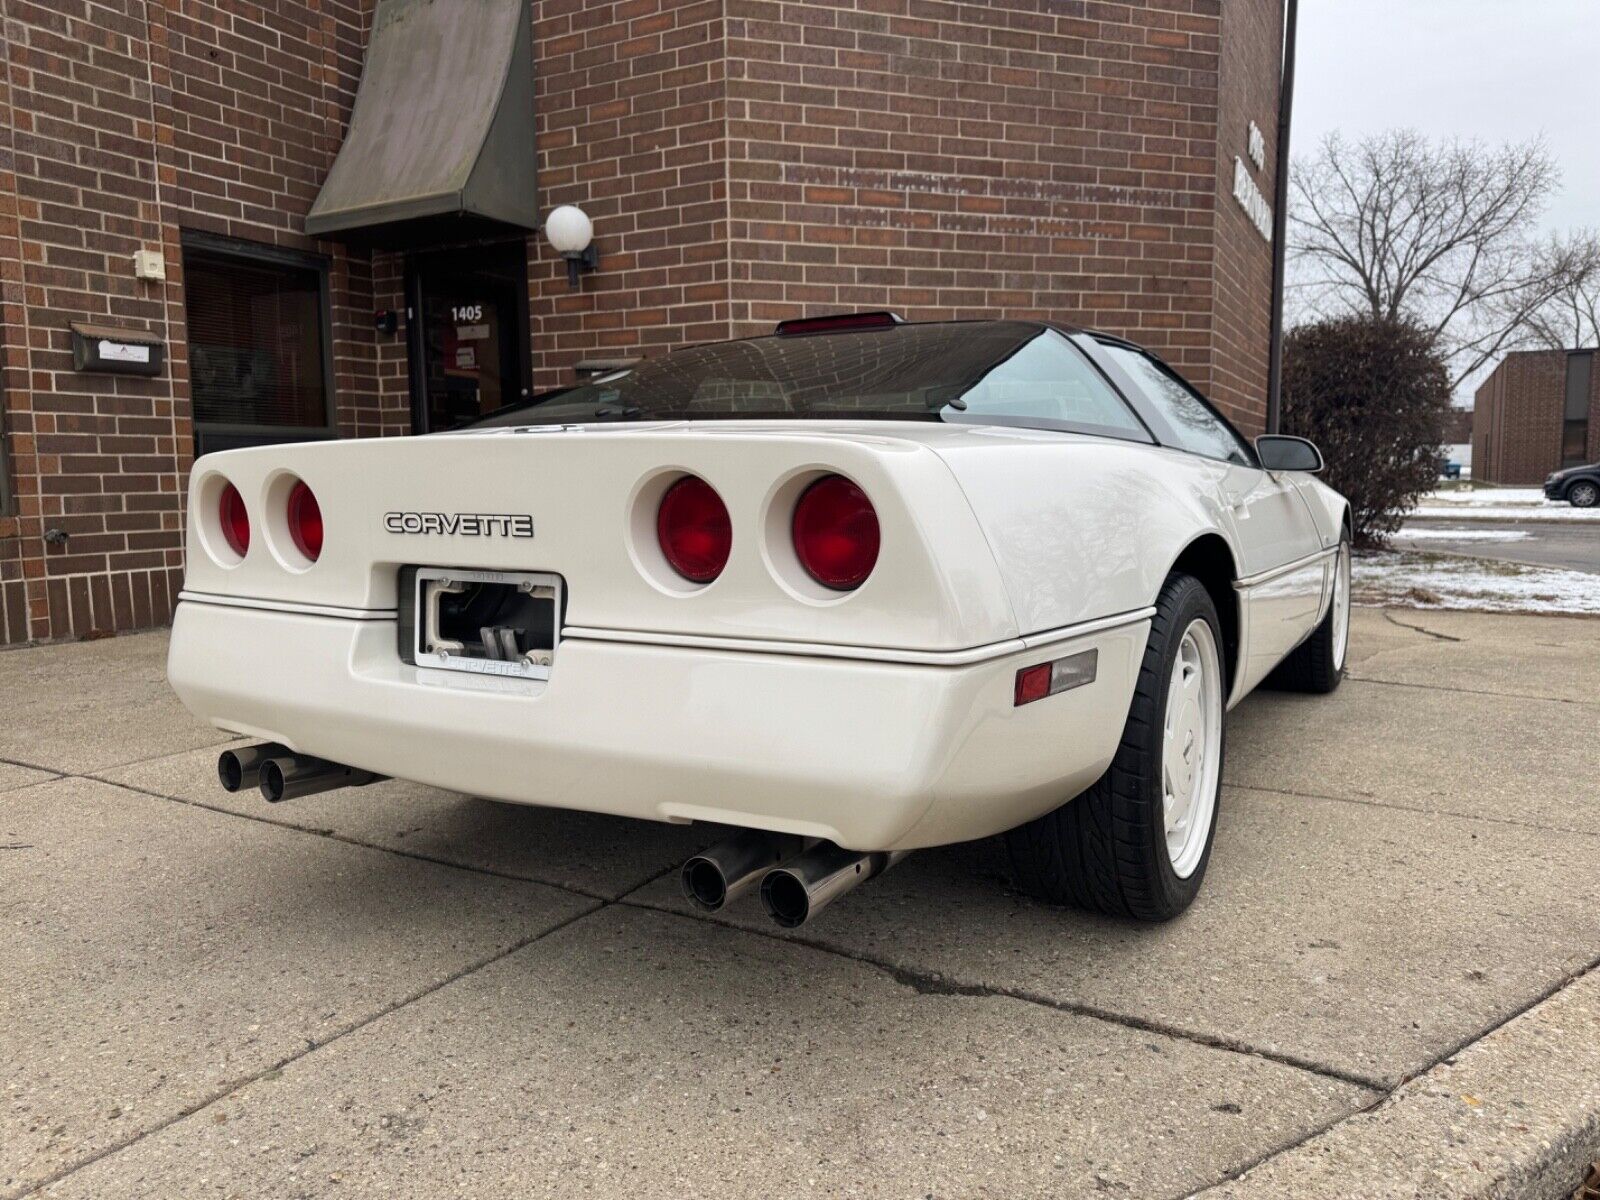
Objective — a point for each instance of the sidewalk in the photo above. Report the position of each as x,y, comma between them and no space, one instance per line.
406,992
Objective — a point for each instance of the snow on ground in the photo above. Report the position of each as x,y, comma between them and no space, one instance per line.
1499,504
1413,533
1416,580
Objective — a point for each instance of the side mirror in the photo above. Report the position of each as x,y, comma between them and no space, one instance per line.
1280,453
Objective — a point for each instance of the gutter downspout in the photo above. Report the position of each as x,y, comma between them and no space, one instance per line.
1280,219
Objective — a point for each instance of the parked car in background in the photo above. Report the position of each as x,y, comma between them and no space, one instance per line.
855,588
1578,486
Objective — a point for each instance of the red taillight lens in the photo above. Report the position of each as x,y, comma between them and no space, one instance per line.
694,530
305,521
235,520
836,533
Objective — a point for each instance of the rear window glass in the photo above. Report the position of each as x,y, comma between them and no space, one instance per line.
995,372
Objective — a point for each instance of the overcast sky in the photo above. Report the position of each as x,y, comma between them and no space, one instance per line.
1498,70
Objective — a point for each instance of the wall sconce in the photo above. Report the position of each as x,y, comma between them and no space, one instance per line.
570,233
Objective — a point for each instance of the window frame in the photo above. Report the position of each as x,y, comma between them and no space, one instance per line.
214,246
1141,435
1094,344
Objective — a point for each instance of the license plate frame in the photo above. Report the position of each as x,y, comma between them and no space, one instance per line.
431,584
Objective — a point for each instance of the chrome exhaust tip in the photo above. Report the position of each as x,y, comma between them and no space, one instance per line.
809,882
240,767
289,776
724,872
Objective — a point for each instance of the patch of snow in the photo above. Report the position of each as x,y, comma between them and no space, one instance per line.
1526,512
1499,504
1463,535
1446,581
1485,495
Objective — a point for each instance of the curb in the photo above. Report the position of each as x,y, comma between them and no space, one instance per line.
1514,1116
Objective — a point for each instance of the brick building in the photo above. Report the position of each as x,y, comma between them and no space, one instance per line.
1537,412
742,160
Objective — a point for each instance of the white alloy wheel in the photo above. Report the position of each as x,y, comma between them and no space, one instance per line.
1341,606
1583,495
1191,749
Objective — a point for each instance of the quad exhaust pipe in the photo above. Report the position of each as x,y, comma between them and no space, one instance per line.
281,774
796,882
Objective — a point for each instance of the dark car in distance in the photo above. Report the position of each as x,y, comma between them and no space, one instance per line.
1578,486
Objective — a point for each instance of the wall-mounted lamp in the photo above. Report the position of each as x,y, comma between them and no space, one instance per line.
570,233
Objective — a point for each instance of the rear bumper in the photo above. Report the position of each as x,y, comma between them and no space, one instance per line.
871,755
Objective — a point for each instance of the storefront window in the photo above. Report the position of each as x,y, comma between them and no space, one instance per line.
258,369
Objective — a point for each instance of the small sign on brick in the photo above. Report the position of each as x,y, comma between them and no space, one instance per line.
117,351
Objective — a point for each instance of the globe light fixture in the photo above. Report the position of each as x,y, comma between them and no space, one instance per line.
570,233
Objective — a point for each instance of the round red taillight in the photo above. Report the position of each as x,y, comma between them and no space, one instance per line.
235,520
836,533
694,530
305,521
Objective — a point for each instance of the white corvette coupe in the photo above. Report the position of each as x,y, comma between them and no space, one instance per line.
853,589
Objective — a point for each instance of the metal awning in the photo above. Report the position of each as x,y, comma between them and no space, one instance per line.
443,123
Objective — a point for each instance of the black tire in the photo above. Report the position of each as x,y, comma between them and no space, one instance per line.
1106,850
1583,494
1317,664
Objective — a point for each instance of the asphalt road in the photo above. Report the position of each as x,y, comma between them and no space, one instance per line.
1574,546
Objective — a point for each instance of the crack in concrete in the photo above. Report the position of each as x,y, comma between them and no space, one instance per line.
311,1046
930,984
934,984
1388,615
1444,687
1389,1093
345,839
1414,808
30,766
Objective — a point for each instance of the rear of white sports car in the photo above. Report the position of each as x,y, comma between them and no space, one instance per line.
849,591
552,616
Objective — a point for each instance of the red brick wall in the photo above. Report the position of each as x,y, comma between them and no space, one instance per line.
1252,48
128,122
1518,415
631,127
1017,158
744,160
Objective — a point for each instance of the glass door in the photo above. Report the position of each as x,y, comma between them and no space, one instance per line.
469,334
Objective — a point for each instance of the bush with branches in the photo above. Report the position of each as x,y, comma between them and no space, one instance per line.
1373,395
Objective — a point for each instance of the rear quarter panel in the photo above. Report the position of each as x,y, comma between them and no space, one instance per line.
1084,528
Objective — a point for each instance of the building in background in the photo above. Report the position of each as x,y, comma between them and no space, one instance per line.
1537,412
222,224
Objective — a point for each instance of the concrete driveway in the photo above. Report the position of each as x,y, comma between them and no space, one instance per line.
407,992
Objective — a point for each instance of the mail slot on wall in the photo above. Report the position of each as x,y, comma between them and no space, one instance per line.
119,351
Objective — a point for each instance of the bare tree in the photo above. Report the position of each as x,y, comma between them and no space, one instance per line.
1570,319
1395,226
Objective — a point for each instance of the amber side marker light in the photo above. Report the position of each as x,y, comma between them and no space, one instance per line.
235,520
1051,678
